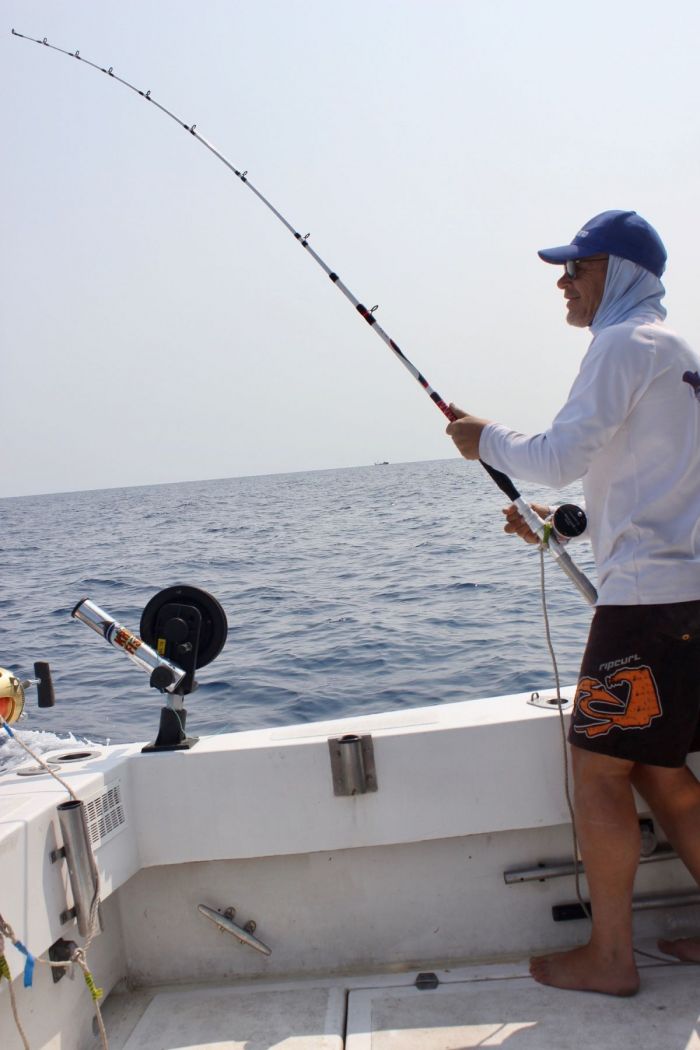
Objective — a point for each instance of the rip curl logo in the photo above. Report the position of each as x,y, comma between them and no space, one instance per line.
693,379
627,699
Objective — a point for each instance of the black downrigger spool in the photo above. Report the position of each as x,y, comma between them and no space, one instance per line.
182,628
188,627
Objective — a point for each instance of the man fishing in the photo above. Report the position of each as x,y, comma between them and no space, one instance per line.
630,429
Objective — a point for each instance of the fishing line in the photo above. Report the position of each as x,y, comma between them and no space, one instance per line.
502,480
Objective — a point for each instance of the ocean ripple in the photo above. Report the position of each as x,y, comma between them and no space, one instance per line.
346,591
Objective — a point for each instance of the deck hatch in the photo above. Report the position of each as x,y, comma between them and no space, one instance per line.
501,1006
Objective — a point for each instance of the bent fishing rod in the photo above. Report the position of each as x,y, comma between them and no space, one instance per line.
542,529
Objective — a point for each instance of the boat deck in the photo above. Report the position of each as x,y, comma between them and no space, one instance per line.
480,1006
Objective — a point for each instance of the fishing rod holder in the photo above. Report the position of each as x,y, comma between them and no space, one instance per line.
353,767
182,628
82,869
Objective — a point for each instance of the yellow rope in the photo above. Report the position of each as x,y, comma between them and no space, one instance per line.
5,972
95,992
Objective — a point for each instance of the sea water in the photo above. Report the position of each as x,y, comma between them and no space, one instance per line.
346,592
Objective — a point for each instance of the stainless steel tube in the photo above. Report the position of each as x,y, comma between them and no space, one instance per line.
352,764
81,863
122,638
556,870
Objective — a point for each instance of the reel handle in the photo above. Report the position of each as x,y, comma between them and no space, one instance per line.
44,684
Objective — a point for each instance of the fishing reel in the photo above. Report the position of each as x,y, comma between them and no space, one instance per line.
569,521
13,690
182,628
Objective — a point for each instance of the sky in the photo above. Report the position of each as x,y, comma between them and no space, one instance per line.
159,324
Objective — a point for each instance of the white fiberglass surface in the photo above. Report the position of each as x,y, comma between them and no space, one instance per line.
518,1014
226,1019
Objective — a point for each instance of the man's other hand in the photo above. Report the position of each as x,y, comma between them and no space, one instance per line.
515,523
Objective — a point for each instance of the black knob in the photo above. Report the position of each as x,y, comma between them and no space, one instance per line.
44,688
161,678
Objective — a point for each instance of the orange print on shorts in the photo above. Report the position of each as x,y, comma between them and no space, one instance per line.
633,704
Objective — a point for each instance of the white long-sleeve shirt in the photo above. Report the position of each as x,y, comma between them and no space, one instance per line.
631,430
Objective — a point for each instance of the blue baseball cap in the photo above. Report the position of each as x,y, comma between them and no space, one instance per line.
621,233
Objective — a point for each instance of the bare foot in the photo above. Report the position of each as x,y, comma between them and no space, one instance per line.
687,949
587,969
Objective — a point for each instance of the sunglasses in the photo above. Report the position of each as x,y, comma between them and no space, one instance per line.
571,265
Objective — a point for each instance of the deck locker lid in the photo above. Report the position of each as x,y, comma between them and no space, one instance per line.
238,1019
512,1011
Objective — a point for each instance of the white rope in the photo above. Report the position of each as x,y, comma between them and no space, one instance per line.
39,759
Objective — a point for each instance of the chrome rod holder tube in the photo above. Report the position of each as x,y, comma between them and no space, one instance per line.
82,869
352,764
134,647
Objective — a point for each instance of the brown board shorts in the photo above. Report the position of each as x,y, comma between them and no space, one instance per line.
638,694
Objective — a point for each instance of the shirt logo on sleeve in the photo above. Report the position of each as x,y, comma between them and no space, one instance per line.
693,380
627,699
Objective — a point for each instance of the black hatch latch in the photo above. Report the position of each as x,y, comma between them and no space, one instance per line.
427,981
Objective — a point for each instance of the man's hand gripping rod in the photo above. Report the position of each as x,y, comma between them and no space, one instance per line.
556,549
502,480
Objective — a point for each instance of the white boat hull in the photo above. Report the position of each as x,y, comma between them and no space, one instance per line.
343,889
